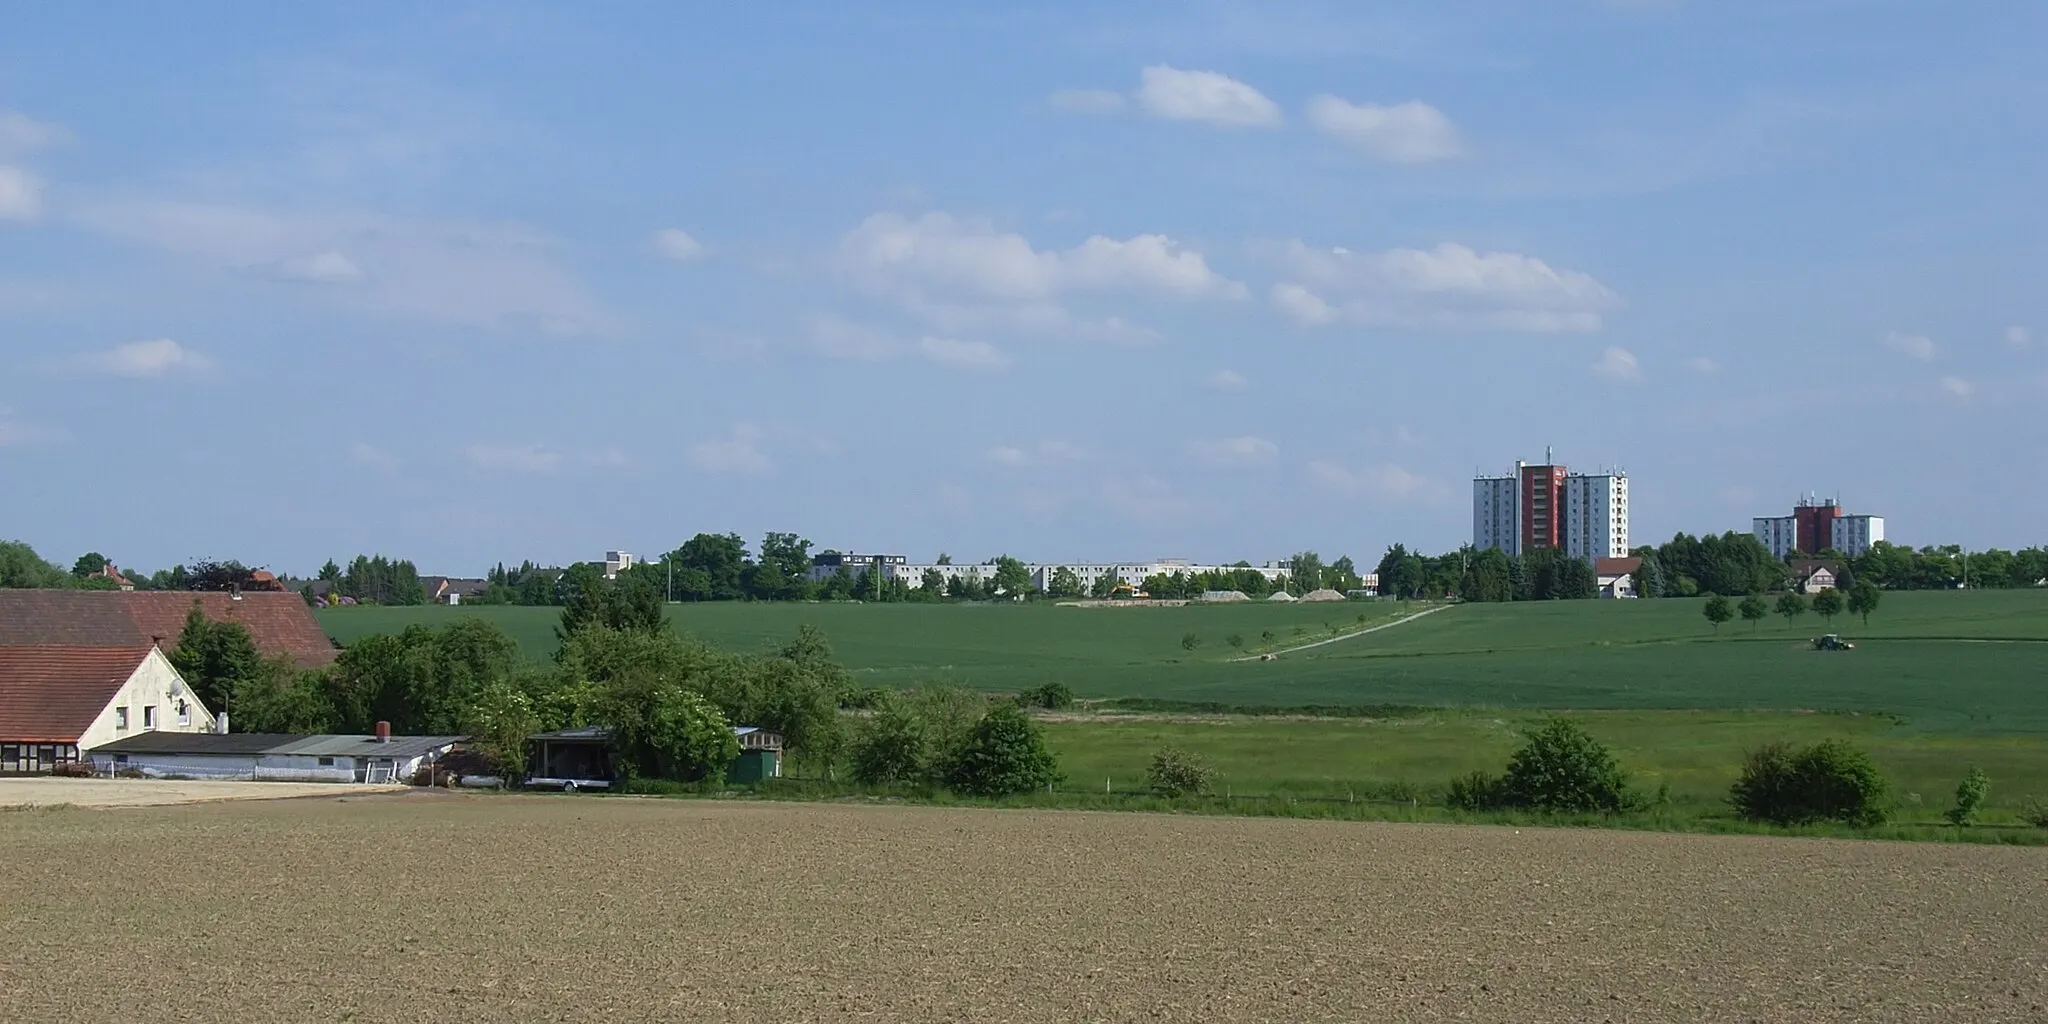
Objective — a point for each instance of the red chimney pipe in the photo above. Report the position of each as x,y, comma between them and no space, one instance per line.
383,732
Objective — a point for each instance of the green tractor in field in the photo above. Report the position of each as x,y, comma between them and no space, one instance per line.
1832,642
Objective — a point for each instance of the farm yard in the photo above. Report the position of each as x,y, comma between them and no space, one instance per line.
433,907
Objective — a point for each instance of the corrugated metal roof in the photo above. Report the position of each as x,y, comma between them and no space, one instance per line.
251,744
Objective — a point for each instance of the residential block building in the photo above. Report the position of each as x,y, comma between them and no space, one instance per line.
1539,507
1816,525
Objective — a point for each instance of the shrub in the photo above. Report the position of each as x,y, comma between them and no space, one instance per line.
1175,772
1051,696
1561,768
1478,791
1970,795
1005,753
1829,781
2035,813
1191,640
890,748
1235,639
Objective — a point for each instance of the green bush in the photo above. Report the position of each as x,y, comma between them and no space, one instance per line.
1829,781
1562,769
1478,791
1970,795
1004,754
1051,696
1175,772
890,747
2035,813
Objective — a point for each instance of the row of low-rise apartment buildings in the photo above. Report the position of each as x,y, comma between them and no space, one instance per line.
1584,515
1088,574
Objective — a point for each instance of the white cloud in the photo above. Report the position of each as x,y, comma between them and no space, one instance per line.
18,433
738,452
1301,305
1449,287
1387,481
1912,346
466,273
1089,101
1701,364
1227,380
20,133
322,268
1115,330
1234,451
1958,388
531,458
2018,337
372,456
676,244
1618,364
1404,133
972,356
21,194
152,358
1205,96
939,254
1040,453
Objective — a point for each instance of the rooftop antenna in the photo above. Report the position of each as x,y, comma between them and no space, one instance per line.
1547,459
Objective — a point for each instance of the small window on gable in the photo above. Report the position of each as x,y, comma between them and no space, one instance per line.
120,718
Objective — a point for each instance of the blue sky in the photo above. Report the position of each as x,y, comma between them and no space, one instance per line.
468,282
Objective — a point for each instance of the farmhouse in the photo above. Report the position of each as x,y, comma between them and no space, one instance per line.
57,701
274,757
581,758
279,623
452,589
1813,575
1617,576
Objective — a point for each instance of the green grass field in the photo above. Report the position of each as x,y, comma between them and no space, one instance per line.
1972,663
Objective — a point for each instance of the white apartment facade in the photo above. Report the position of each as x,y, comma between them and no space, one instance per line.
1596,515
1089,574
1854,535
1496,513
1779,534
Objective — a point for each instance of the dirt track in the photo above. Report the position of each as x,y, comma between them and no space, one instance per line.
53,791
433,908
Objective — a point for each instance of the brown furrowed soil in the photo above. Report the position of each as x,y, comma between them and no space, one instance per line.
426,907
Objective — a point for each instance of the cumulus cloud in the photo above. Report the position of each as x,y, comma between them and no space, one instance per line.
676,244
972,356
1958,388
1618,364
321,268
1090,101
1227,380
1234,451
2018,337
1037,453
20,133
153,358
370,455
1386,481
467,273
1912,346
21,194
1205,96
1450,287
939,254
1301,305
1404,133
527,458
1701,364
738,452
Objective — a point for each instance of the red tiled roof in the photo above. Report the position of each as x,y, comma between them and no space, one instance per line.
52,694
280,623
1616,566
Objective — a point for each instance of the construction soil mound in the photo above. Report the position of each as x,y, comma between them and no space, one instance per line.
1223,596
1282,595
1325,594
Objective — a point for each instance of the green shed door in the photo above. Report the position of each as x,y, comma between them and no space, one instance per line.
753,766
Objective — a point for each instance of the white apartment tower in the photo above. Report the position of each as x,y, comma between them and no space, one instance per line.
1585,515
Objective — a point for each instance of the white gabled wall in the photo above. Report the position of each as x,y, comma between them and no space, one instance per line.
154,684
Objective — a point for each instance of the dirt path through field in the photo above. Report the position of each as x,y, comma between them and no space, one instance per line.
1338,639
436,908
48,791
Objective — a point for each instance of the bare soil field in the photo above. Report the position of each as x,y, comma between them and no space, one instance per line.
51,791
448,907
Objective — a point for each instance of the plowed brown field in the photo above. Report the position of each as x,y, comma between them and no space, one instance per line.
453,908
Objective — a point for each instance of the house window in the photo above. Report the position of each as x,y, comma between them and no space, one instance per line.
326,762
184,713
149,717
120,759
120,718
